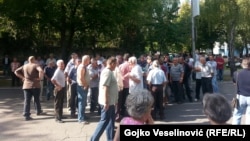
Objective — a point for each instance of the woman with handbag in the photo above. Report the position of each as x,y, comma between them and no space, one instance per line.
241,78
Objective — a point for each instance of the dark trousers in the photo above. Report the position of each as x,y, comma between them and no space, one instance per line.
187,89
73,97
58,105
197,88
220,74
157,92
178,91
15,81
121,108
28,93
49,89
206,84
94,92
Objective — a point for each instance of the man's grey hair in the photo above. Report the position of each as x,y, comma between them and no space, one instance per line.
58,62
139,103
156,64
133,60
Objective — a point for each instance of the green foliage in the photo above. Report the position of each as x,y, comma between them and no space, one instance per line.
63,26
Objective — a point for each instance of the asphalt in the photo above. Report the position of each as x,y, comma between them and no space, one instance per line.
13,127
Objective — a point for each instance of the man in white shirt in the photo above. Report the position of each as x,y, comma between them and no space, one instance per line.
135,76
157,80
206,76
213,64
58,79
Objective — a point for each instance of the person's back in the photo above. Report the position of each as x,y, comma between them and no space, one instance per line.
243,82
241,78
31,76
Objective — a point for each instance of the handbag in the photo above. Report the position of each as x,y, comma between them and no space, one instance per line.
235,100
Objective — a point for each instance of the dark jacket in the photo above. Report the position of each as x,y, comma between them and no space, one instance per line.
241,78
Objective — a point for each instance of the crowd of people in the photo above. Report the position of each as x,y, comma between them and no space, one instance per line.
125,88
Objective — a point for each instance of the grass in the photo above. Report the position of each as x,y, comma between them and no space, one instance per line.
5,82
227,78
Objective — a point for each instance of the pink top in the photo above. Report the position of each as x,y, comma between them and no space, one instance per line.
124,68
130,121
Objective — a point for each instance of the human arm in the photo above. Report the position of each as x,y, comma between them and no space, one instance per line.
82,78
41,73
56,84
19,74
117,134
106,99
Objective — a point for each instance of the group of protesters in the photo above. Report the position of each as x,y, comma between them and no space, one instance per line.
108,81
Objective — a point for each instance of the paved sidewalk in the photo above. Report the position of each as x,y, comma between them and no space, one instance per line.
44,128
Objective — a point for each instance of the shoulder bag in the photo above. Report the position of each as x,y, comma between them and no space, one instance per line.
235,100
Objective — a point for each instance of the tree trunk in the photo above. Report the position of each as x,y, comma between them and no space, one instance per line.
246,47
231,49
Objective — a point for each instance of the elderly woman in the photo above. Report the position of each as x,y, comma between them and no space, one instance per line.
217,109
139,104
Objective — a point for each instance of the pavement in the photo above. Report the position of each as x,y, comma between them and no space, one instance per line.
13,127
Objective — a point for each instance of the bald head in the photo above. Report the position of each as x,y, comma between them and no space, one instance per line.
203,60
31,59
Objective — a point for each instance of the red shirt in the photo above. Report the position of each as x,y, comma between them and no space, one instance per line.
220,62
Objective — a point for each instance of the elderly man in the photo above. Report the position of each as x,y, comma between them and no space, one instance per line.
83,80
58,79
135,76
157,80
176,80
206,75
31,74
93,84
70,65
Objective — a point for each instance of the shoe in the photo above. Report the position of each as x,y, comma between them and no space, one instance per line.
28,118
59,121
41,113
84,122
73,116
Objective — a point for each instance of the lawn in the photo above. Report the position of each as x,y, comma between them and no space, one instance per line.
5,82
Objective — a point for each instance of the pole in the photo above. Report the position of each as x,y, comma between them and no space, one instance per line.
193,31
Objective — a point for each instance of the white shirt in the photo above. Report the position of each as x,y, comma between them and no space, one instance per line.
197,74
214,66
206,70
156,76
59,77
136,71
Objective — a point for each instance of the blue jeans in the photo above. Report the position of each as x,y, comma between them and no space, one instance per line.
107,122
215,84
82,102
244,107
220,74
28,93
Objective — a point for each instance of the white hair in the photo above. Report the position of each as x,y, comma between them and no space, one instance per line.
156,64
58,62
133,60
